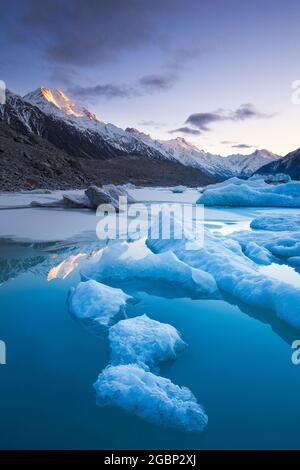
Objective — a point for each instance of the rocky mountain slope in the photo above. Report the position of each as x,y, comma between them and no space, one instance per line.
289,165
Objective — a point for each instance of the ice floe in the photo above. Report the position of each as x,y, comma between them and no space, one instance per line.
125,261
97,301
149,396
236,274
252,192
144,341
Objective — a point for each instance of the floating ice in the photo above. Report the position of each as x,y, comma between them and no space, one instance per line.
237,275
253,192
283,223
151,397
97,301
179,189
280,244
258,254
144,341
125,261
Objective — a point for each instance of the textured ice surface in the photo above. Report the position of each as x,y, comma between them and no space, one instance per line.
149,396
258,254
253,192
278,223
144,341
97,301
237,275
125,261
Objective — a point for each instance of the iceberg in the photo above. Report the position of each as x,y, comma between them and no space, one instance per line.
277,223
144,341
258,254
104,304
280,244
236,274
149,396
253,192
125,261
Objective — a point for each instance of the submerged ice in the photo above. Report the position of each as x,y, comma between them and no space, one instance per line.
149,396
128,261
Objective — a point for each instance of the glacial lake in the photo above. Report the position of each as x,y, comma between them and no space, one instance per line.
237,363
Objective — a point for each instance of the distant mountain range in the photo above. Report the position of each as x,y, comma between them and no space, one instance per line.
46,140
289,165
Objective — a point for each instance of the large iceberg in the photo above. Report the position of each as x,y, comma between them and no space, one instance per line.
236,274
150,396
144,341
125,261
93,300
252,192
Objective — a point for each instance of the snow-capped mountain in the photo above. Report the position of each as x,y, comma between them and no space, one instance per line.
73,129
289,165
223,167
46,141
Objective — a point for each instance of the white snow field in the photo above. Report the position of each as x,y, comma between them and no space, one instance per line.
127,261
236,274
253,192
99,302
143,341
149,396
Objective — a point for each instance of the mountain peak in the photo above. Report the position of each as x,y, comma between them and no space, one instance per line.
44,97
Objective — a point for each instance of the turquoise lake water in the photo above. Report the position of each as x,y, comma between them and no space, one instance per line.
237,364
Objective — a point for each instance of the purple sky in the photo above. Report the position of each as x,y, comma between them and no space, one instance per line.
216,72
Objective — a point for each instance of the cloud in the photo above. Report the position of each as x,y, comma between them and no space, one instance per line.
91,94
236,145
151,123
88,32
159,82
185,130
246,111
242,146
146,85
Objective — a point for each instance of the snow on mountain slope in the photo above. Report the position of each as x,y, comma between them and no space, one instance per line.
216,165
52,115
289,165
73,128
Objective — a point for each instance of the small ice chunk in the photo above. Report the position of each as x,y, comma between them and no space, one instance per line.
179,189
144,341
97,301
151,397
